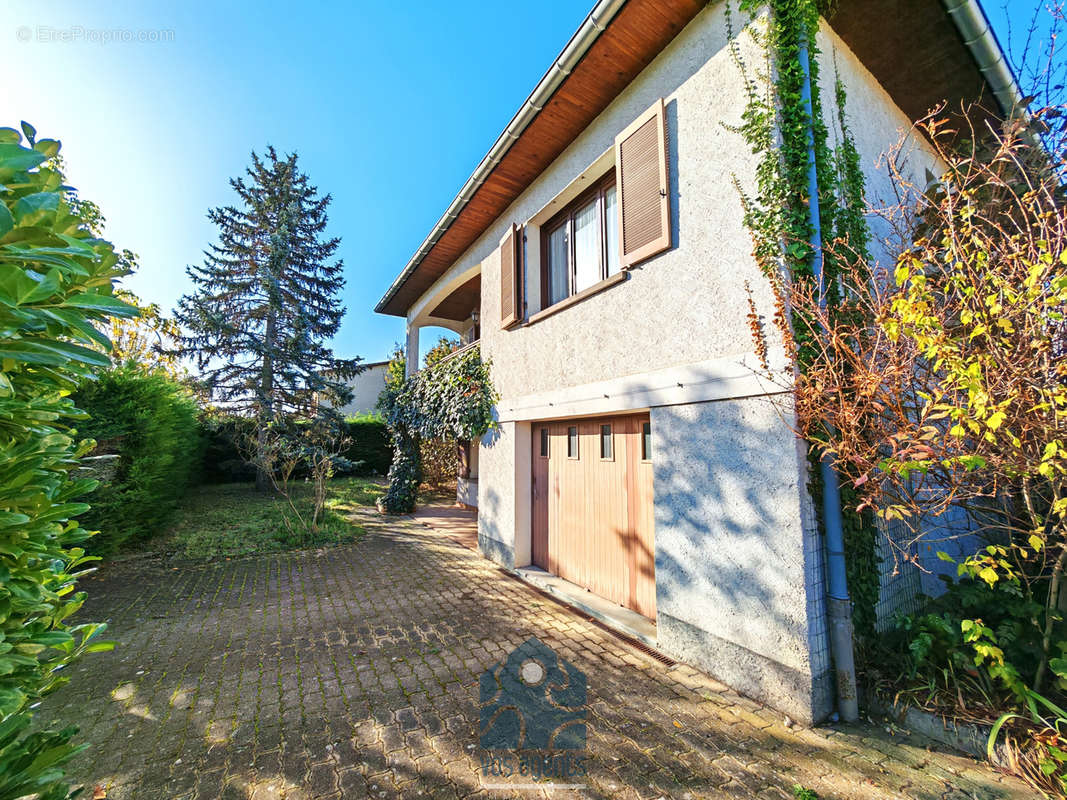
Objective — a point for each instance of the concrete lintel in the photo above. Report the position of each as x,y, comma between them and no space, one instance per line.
714,379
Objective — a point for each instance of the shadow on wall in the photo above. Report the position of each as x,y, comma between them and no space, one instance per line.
737,554
489,533
673,183
489,502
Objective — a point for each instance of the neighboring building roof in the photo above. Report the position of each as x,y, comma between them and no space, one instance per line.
919,50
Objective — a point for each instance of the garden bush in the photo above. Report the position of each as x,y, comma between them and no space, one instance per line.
55,297
369,450
449,400
222,460
930,654
149,421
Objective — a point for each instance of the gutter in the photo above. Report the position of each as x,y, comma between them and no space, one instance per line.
595,23
973,26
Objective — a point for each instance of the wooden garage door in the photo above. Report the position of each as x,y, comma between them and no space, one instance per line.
592,507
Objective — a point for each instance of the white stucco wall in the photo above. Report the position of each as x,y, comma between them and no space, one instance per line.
738,570
683,306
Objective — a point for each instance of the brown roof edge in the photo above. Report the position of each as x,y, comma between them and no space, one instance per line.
614,43
588,32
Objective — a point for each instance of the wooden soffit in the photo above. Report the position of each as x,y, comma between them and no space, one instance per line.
633,38
462,302
911,47
915,52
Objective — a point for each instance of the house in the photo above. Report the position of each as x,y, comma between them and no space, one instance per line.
366,387
601,251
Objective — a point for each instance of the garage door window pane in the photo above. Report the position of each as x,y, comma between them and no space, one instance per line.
572,442
605,442
544,442
646,441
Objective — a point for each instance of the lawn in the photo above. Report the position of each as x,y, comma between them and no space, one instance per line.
234,519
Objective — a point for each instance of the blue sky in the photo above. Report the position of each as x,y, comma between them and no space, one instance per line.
390,105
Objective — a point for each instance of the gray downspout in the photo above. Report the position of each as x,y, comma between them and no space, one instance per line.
839,606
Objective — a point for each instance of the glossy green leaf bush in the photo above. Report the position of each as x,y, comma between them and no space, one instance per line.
55,295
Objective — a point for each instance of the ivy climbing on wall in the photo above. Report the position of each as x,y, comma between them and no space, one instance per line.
453,399
776,124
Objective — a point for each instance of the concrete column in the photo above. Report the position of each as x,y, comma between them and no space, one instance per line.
412,350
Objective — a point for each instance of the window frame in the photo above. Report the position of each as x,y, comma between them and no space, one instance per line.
565,217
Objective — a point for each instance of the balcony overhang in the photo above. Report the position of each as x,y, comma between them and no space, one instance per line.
461,302
917,52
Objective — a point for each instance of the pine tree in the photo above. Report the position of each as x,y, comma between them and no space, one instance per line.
266,299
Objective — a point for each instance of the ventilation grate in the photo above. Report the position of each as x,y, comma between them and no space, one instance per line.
636,644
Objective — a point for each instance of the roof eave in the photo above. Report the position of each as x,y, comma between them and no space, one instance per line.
594,24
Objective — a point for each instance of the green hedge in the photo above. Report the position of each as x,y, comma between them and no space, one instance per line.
149,422
370,451
222,460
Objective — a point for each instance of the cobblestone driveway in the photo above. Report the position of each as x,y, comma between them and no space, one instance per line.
353,672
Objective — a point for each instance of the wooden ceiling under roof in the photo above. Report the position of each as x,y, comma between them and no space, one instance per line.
911,47
915,51
462,302
638,32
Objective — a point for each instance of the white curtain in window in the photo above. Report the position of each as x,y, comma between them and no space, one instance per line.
557,265
586,247
611,229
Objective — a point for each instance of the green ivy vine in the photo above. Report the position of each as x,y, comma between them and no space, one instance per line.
775,124
452,399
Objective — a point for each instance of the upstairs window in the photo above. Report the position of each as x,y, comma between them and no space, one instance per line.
580,245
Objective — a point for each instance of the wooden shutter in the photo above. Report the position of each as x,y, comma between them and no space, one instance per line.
511,310
644,199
